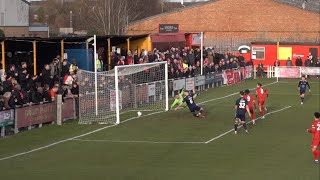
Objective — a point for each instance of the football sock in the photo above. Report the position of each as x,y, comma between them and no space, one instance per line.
316,154
253,116
302,99
245,126
262,113
235,127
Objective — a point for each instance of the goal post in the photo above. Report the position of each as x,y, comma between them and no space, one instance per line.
123,91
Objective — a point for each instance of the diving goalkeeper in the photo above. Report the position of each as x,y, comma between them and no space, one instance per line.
178,99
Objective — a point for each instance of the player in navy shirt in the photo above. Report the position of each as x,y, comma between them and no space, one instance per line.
241,107
302,87
193,107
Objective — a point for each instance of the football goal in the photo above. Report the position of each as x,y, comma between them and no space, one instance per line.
104,96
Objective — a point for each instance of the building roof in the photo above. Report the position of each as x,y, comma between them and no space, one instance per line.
75,39
174,11
314,7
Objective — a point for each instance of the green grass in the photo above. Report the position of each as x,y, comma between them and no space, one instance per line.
278,148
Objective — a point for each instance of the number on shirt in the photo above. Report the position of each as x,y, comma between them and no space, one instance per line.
261,91
191,101
242,105
248,98
318,125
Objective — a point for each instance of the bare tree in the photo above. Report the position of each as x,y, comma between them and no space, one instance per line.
104,17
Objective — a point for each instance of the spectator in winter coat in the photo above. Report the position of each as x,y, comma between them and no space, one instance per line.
191,58
45,94
53,92
299,61
317,64
75,89
277,63
64,68
12,71
308,62
17,95
46,77
36,95
288,62
24,79
32,85
54,68
7,85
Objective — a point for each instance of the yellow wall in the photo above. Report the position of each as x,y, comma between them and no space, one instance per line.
143,43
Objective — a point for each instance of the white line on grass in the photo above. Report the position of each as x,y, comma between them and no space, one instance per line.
145,142
223,134
175,142
106,127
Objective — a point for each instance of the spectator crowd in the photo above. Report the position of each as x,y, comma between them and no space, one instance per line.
20,88
183,62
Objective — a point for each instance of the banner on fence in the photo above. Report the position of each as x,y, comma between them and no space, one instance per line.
44,113
287,72
113,99
38,114
179,84
218,77
152,89
248,72
310,70
190,84
6,118
236,76
200,80
229,74
210,79
68,109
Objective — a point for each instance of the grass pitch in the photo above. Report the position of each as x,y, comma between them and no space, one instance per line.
176,146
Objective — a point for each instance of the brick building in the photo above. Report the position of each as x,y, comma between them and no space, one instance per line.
237,22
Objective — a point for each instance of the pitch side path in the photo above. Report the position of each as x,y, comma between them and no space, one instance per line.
174,145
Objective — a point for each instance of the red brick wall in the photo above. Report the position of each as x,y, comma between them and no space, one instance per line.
239,19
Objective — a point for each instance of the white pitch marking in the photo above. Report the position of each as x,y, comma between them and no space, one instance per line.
223,134
100,129
146,142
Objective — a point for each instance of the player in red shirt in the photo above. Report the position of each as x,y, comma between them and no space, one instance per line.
261,94
315,130
251,103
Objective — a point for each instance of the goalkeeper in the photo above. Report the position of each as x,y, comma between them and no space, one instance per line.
178,99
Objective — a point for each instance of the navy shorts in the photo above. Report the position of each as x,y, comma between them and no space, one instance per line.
302,91
242,117
194,108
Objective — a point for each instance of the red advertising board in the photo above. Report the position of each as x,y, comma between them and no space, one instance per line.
44,113
229,75
68,109
236,77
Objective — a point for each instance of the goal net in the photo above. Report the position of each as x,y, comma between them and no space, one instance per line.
123,91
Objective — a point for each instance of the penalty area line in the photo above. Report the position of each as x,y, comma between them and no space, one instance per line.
223,134
103,128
